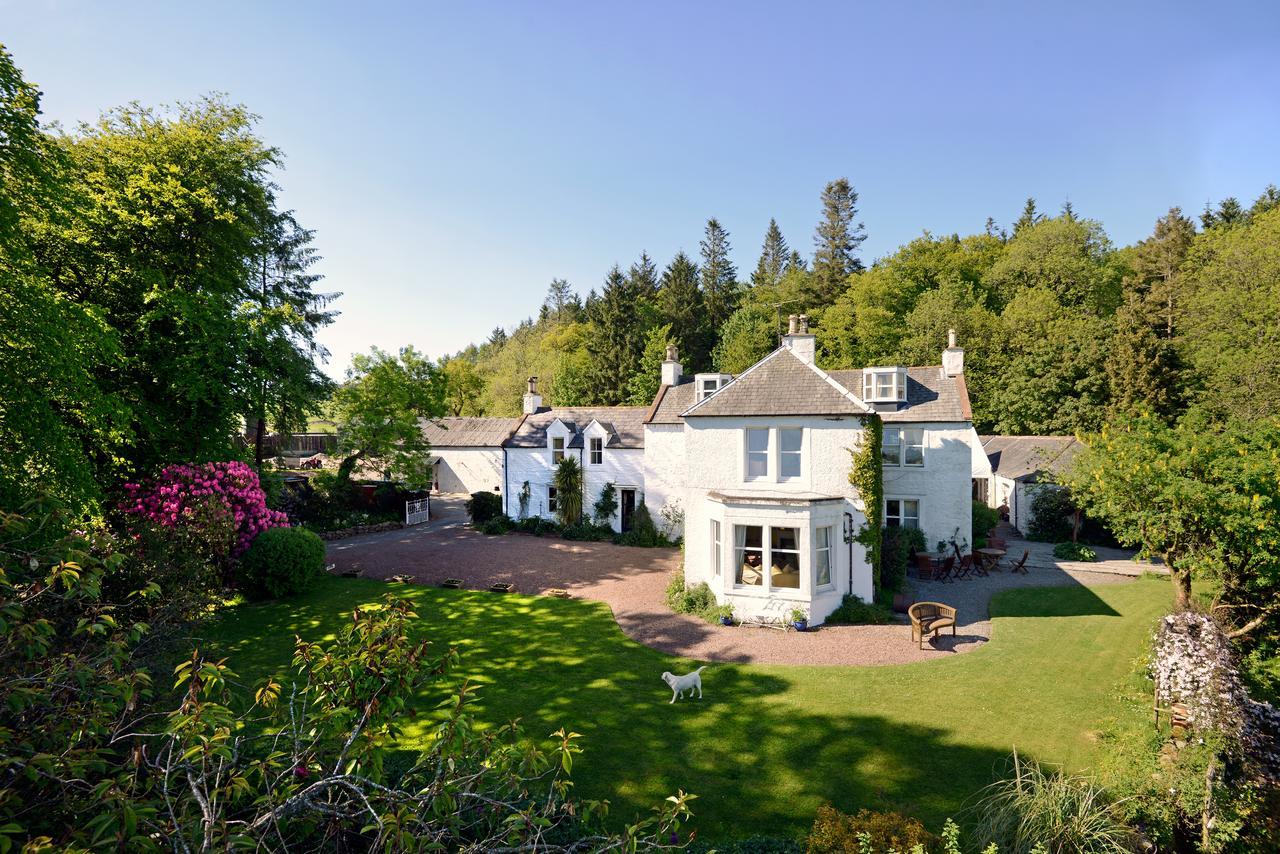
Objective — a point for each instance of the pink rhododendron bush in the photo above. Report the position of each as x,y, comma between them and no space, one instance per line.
218,507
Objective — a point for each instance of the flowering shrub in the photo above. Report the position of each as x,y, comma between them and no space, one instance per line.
221,504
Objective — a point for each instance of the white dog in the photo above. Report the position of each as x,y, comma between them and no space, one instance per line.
687,682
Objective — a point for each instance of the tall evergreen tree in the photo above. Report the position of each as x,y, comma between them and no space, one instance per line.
643,276
836,243
774,256
1228,213
616,342
1156,263
1142,367
1028,218
561,302
680,305
1269,200
497,337
644,383
719,276
795,261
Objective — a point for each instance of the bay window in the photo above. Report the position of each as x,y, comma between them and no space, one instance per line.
749,549
784,558
717,554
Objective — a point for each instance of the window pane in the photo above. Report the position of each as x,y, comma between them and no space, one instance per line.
715,546
748,541
890,454
913,455
892,513
884,385
789,439
784,558
757,440
822,557
757,453
911,514
789,465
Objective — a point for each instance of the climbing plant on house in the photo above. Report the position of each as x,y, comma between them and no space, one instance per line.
866,473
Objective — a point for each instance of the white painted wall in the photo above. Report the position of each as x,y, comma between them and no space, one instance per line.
623,466
664,469
943,485
715,460
468,469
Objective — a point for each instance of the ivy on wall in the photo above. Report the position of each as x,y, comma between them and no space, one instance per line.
866,473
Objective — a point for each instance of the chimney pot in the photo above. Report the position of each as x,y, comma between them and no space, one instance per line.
951,338
791,324
798,340
804,324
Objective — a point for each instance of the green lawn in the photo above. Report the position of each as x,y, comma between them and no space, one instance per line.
769,744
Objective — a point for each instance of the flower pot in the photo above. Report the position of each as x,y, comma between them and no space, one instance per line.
901,602
726,621
801,625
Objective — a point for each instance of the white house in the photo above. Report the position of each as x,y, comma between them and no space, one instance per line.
466,453
1008,471
756,466
608,442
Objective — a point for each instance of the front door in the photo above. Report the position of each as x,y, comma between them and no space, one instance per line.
627,497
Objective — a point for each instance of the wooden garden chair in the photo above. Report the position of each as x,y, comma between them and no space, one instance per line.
943,571
964,567
930,617
1021,565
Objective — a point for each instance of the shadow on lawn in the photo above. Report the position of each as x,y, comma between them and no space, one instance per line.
755,751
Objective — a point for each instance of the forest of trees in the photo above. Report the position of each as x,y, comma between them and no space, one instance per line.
1063,330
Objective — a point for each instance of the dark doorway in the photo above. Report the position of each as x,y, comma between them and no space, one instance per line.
980,485
627,499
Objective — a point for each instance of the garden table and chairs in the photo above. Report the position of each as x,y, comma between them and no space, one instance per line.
990,557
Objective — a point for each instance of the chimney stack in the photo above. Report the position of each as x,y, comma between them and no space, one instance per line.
798,340
671,367
532,400
953,356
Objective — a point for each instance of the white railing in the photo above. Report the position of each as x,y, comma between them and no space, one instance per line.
417,511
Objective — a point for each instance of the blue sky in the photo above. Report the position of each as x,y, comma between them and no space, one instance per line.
455,157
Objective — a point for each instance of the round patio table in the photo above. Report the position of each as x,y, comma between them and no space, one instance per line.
992,557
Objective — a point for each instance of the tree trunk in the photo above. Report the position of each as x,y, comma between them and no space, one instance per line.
1181,587
259,434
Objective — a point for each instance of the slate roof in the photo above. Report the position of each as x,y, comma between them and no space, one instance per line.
627,423
670,402
931,395
467,432
780,384
1017,457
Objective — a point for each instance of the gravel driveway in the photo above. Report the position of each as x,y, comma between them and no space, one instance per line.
632,582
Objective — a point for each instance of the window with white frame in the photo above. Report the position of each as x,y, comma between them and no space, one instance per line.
902,512
717,555
708,387
557,449
790,442
551,499
822,557
884,385
748,541
784,558
902,446
757,452
596,447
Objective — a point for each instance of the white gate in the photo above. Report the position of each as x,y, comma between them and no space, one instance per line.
417,511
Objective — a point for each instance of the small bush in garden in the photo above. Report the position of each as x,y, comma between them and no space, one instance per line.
483,506
282,562
606,505
750,845
586,531
984,519
496,525
1052,511
854,612
644,532
897,546
537,526
834,832
697,600
1074,551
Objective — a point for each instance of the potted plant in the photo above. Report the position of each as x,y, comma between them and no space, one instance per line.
726,615
799,620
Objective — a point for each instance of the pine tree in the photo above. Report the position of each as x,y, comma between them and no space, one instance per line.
1029,216
680,305
1229,213
497,337
1156,262
1142,368
796,262
1269,199
719,276
774,255
643,277
644,383
836,243
617,341
561,302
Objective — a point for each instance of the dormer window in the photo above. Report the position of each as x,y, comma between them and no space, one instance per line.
557,449
708,384
884,385
596,447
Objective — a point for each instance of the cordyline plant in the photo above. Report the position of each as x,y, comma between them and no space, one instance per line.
86,760
220,504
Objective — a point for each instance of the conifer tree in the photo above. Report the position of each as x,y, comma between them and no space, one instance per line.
835,243
561,302
681,307
1029,216
616,342
1156,263
774,256
644,383
719,276
643,277
1142,367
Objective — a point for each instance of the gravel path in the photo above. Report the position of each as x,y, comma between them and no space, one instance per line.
632,582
